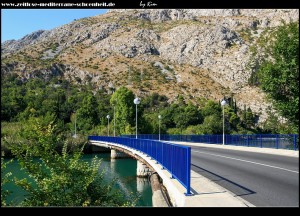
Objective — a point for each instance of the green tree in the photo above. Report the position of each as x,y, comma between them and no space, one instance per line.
87,116
248,118
12,101
231,118
211,108
174,131
168,114
212,124
61,178
186,115
274,125
124,109
193,115
194,129
180,119
271,125
149,124
154,101
103,107
279,76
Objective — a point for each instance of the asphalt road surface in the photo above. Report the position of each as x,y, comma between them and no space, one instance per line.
261,179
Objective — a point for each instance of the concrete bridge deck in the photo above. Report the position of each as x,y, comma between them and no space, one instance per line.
262,176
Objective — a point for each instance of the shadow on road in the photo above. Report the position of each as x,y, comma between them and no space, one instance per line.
237,189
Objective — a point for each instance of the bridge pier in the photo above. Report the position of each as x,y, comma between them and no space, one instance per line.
140,184
114,154
142,170
158,199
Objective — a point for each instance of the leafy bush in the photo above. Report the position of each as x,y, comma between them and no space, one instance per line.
4,180
61,178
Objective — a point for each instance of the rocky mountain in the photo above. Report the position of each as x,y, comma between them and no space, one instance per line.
190,52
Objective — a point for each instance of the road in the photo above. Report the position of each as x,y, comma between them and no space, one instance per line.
261,179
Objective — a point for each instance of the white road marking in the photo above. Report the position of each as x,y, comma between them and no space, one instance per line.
247,161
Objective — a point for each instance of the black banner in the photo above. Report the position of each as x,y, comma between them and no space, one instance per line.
145,4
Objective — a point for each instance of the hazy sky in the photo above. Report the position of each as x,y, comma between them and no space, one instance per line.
16,23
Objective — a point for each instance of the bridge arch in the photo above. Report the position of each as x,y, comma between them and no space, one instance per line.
150,160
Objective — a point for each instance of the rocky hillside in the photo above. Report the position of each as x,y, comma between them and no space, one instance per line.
190,52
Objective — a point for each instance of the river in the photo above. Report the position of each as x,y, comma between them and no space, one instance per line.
124,169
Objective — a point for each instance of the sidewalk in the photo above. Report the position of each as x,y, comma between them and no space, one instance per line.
210,194
283,152
205,193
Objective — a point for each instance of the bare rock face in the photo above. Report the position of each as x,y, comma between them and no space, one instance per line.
15,45
162,15
214,43
217,41
132,44
209,49
273,16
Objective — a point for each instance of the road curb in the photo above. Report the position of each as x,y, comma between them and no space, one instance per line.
283,152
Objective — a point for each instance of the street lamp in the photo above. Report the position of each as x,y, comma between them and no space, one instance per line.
136,101
223,103
75,135
114,120
159,117
108,124
114,104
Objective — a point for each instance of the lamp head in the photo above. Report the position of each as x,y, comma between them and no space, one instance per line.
223,102
137,101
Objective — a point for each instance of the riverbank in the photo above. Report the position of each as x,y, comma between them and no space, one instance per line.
122,169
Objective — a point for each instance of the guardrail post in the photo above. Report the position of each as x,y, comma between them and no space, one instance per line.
156,151
172,159
162,157
188,174
295,141
260,140
247,140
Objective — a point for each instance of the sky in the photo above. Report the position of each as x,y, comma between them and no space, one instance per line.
16,23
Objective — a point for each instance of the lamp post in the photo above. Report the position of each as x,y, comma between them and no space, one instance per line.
75,135
159,117
223,103
136,101
108,124
114,104
114,120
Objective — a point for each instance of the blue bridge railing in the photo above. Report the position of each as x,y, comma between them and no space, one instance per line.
278,141
174,158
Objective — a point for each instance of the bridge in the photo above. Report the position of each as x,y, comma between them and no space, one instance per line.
246,178
155,156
